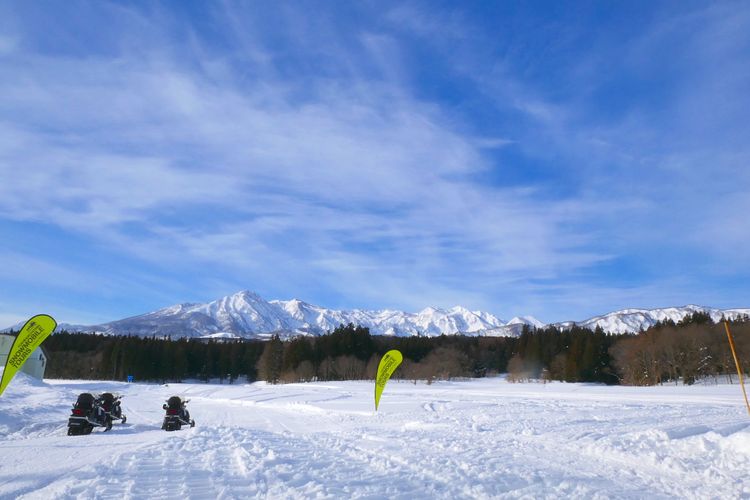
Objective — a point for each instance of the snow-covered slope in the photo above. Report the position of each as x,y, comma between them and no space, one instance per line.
481,438
636,320
247,315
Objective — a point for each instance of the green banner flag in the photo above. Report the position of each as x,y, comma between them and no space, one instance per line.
387,366
31,335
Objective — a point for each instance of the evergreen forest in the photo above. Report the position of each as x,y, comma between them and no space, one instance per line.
696,348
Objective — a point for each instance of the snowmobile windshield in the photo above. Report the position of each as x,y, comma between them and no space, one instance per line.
174,402
85,400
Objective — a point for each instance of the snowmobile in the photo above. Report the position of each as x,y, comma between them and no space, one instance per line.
87,413
176,415
111,405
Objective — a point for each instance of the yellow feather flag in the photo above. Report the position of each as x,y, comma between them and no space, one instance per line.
386,367
31,335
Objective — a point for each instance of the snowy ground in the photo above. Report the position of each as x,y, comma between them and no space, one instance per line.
473,439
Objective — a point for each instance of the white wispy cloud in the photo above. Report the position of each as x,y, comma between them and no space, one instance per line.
354,180
665,177
294,154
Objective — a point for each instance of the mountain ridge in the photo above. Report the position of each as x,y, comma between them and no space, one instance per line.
246,314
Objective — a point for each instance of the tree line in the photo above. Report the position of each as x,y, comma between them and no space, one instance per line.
694,348
105,357
351,353
691,349
573,355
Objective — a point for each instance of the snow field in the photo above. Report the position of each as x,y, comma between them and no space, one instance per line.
484,438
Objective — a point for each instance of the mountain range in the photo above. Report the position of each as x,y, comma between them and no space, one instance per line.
247,315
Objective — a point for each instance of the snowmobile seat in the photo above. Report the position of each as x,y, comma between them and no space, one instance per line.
174,403
107,398
85,401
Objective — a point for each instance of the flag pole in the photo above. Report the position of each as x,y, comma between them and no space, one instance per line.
737,363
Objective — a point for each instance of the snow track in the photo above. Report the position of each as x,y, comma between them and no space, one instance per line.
473,439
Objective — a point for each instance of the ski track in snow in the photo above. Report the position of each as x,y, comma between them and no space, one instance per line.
470,439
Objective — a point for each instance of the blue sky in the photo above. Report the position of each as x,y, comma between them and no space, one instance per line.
557,159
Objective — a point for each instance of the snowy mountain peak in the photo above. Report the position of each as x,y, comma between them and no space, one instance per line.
245,297
246,314
637,320
526,320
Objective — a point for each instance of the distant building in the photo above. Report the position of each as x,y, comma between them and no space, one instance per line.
36,363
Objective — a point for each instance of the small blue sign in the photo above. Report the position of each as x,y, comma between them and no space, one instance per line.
130,378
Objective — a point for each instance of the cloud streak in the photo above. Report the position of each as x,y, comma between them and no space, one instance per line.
304,156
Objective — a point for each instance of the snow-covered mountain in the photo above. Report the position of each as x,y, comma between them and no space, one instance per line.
247,315
636,320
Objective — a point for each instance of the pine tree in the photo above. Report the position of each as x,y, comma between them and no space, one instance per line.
271,361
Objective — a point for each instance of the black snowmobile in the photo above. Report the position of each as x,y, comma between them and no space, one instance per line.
176,415
111,405
87,413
